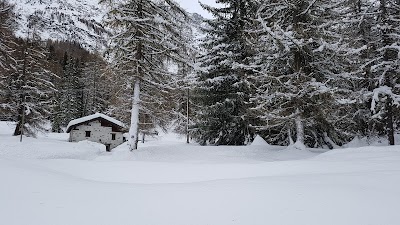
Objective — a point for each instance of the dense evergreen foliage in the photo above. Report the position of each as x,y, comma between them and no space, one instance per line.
223,88
8,63
298,67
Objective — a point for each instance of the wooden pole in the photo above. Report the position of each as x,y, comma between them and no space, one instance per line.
24,101
22,120
187,117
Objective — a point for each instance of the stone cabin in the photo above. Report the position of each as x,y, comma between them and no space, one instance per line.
97,128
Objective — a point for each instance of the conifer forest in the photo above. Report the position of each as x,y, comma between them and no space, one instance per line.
312,73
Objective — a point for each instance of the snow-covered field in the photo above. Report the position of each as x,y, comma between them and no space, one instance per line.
48,181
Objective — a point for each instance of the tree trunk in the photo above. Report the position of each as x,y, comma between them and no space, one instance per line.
21,111
18,129
134,129
389,121
291,142
299,132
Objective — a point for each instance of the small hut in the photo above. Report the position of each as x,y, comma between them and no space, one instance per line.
97,128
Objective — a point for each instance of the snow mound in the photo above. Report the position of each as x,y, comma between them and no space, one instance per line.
188,153
259,141
31,148
371,141
375,153
7,127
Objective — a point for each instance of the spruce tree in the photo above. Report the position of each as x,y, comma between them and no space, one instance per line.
96,91
298,64
223,89
375,32
56,68
71,90
386,66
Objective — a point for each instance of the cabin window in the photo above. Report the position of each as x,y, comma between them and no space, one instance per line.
87,133
113,137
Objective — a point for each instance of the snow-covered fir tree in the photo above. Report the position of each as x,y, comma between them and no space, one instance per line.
32,88
385,63
96,91
56,68
6,36
223,90
298,65
148,33
374,33
71,90
356,29
7,56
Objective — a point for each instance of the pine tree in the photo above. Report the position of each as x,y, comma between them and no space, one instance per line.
376,33
148,34
32,88
96,85
58,115
71,90
386,65
56,68
299,64
223,88
6,35
7,56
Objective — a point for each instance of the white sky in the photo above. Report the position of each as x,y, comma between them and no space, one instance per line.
194,6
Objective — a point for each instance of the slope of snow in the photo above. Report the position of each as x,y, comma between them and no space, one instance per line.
169,182
6,128
372,141
72,20
47,146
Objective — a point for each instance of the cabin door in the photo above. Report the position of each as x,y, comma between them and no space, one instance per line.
108,147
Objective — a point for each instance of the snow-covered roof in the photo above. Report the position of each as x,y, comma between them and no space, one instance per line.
92,117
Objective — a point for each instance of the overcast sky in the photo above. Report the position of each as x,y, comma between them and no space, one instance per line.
194,6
